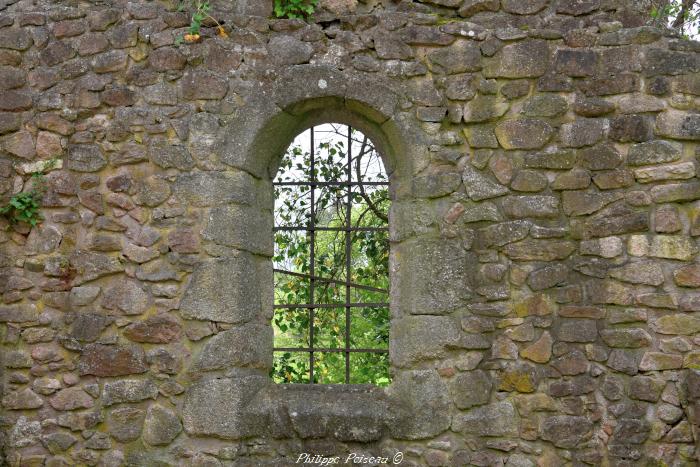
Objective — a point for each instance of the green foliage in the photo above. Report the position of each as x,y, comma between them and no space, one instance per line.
25,206
295,8
199,11
682,15
369,253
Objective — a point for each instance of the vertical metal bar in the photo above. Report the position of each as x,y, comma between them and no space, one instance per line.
312,235
348,250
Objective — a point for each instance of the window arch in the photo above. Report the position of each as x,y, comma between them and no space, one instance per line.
331,260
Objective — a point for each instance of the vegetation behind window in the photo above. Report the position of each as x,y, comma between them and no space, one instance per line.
331,260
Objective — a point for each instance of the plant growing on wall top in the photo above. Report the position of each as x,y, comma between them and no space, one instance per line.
295,8
200,12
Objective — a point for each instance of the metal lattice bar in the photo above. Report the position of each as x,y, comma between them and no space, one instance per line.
333,281
312,233
311,230
311,306
309,349
323,184
332,229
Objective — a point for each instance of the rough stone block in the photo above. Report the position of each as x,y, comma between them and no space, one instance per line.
227,290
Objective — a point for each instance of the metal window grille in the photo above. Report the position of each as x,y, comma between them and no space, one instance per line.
311,230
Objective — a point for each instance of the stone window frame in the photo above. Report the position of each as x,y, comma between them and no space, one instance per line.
232,395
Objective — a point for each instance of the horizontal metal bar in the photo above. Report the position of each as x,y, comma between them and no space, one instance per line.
331,305
332,229
334,281
308,350
330,183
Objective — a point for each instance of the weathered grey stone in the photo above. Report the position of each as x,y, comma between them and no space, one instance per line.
539,250
71,399
548,276
497,419
528,7
420,338
524,133
461,57
128,390
613,220
658,361
242,346
535,206
525,59
566,431
582,132
631,128
578,330
559,160
437,277
85,158
21,313
545,105
626,337
125,423
127,296
480,187
642,272
471,388
24,399
578,203
225,290
224,408
678,125
503,233
286,50
161,426
679,171
680,324
240,227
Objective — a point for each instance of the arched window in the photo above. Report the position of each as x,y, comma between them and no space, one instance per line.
331,260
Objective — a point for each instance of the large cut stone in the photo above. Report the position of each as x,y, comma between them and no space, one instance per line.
497,419
417,338
242,227
226,289
247,345
417,396
435,276
471,388
224,408
525,59
215,188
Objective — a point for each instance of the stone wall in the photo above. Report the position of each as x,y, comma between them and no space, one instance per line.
545,225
